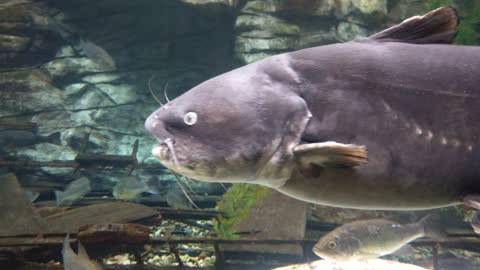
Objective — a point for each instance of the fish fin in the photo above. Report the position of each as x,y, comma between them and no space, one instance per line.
54,138
405,250
17,214
475,222
437,26
472,201
433,227
58,197
73,192
331,154
82,252
66,249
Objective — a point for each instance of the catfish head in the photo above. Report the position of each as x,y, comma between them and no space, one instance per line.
241,126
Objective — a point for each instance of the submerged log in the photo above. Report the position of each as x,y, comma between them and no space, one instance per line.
71,164
156,200
104,161
105,213
17,215
32,266
167,212
129,233
51,239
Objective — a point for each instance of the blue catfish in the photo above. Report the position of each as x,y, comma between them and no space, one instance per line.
302,122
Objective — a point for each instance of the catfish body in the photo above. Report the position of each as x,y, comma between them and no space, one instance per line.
414,107
303,122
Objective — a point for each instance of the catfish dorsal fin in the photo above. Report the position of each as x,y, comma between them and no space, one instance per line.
437,26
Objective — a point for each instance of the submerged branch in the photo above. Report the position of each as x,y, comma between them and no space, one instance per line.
55,239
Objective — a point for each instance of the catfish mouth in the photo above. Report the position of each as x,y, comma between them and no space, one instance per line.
167,153
181,159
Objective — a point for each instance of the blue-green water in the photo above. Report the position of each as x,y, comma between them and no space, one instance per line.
79,78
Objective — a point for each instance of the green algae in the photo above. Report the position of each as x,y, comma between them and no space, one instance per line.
234,206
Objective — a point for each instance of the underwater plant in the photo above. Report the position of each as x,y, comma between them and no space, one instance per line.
469,11
234,206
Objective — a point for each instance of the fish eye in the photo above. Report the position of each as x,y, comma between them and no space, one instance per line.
190,118
332,245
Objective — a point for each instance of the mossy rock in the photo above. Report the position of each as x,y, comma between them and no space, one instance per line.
235,205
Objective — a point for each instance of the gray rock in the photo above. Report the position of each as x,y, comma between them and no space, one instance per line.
262,35
405,9
252,45
231,3
12,43
265,22
347,31
68,66
298,8
27,92
364,7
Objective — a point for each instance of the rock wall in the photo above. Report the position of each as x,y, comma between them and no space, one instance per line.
265,28
83,68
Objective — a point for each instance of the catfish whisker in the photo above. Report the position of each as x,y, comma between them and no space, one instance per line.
188,186
169,144
165,92
183,190
151,91
224,187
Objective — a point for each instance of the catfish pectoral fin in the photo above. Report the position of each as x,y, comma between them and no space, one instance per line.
331,154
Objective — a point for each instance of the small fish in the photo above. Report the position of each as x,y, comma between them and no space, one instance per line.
23,138
131,187
80,261
367,239
31,195
73,192
155,186
97,54
373,264
475,223
177,199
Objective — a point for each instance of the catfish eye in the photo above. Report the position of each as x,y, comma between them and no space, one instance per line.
190,118
332,245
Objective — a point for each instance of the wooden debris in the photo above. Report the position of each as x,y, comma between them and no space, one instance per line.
17,213
152,200
451,242
105,213
129,233
89,161
74,164
32,266
51,210
104,161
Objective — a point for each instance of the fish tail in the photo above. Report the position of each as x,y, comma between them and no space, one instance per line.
433,227
66,245
58,197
